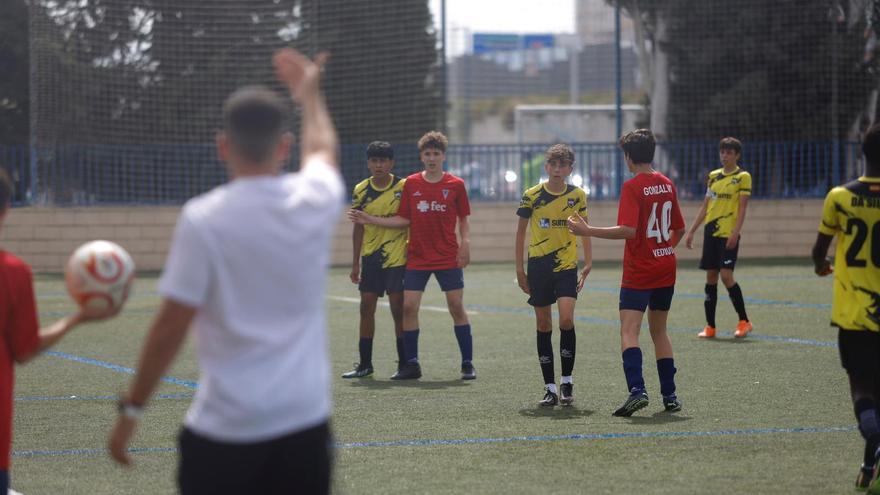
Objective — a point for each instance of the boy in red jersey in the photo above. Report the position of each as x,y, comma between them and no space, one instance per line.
650,220
433,202
22,339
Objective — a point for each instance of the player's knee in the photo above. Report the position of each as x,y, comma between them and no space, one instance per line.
711,277
566,322
727,279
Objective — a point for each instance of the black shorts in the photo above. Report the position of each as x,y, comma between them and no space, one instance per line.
659,299
296,463
546,286
859,352
378,280
715,253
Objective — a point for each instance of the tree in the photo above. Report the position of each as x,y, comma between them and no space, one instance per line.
14,67
755,69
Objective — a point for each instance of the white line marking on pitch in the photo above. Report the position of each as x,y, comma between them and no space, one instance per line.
382,303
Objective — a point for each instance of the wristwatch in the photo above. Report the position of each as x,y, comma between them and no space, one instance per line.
129,409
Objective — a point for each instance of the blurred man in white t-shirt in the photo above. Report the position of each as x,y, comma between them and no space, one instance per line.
247,270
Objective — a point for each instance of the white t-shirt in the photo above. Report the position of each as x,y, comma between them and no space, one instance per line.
252,256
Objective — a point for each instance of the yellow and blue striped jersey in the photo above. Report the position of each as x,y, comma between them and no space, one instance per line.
550,239
724,191
852,212
386,243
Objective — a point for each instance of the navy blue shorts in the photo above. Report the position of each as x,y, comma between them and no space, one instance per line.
546,286
659,299
715,253
378,280
450,279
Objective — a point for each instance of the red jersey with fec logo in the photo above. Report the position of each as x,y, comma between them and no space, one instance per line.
649,203
433,208
19,337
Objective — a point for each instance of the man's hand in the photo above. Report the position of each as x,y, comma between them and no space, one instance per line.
732,241
578,226
583,278
689,240
300,74
355,274
523,281
120,436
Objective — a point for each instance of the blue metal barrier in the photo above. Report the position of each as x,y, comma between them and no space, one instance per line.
171,174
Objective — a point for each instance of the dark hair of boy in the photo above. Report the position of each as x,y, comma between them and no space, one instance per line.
639,145
731,143
380,149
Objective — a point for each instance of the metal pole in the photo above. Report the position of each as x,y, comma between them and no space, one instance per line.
835,131
617,92
444,67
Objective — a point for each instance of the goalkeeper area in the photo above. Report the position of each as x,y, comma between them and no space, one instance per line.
766,414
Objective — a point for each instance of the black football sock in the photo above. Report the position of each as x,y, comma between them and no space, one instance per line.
736,297
710,303
545,357
567,345
365,348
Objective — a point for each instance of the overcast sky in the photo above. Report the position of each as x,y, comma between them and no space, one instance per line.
503,16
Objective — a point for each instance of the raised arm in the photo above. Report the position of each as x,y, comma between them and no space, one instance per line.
302,77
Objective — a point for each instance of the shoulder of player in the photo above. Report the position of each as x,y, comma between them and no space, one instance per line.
13,263
534,190
360,186
715,173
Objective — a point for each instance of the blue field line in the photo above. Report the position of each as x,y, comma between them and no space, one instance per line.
116,367
97,397
683,330
479,441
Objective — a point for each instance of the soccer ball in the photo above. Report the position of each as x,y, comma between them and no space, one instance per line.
99,275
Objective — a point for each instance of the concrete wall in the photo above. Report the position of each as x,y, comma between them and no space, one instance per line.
45,237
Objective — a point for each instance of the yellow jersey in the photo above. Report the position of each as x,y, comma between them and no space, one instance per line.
388,244
550,239
852,212
724,191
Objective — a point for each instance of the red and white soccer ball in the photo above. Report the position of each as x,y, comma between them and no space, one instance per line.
99,275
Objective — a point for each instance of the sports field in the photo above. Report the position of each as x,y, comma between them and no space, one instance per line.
768,414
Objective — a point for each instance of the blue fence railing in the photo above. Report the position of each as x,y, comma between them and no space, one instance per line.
171,174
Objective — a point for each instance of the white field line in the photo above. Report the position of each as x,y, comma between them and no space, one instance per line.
384,303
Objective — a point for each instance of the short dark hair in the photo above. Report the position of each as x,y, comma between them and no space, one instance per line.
380,149
871,145
5,190
562,152
433,139
254,117
638,145
731,143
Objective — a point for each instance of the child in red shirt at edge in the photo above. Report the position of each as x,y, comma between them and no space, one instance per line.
433,201
650,220
21,338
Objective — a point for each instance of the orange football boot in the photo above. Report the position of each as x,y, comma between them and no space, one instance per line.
707,333
742,329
